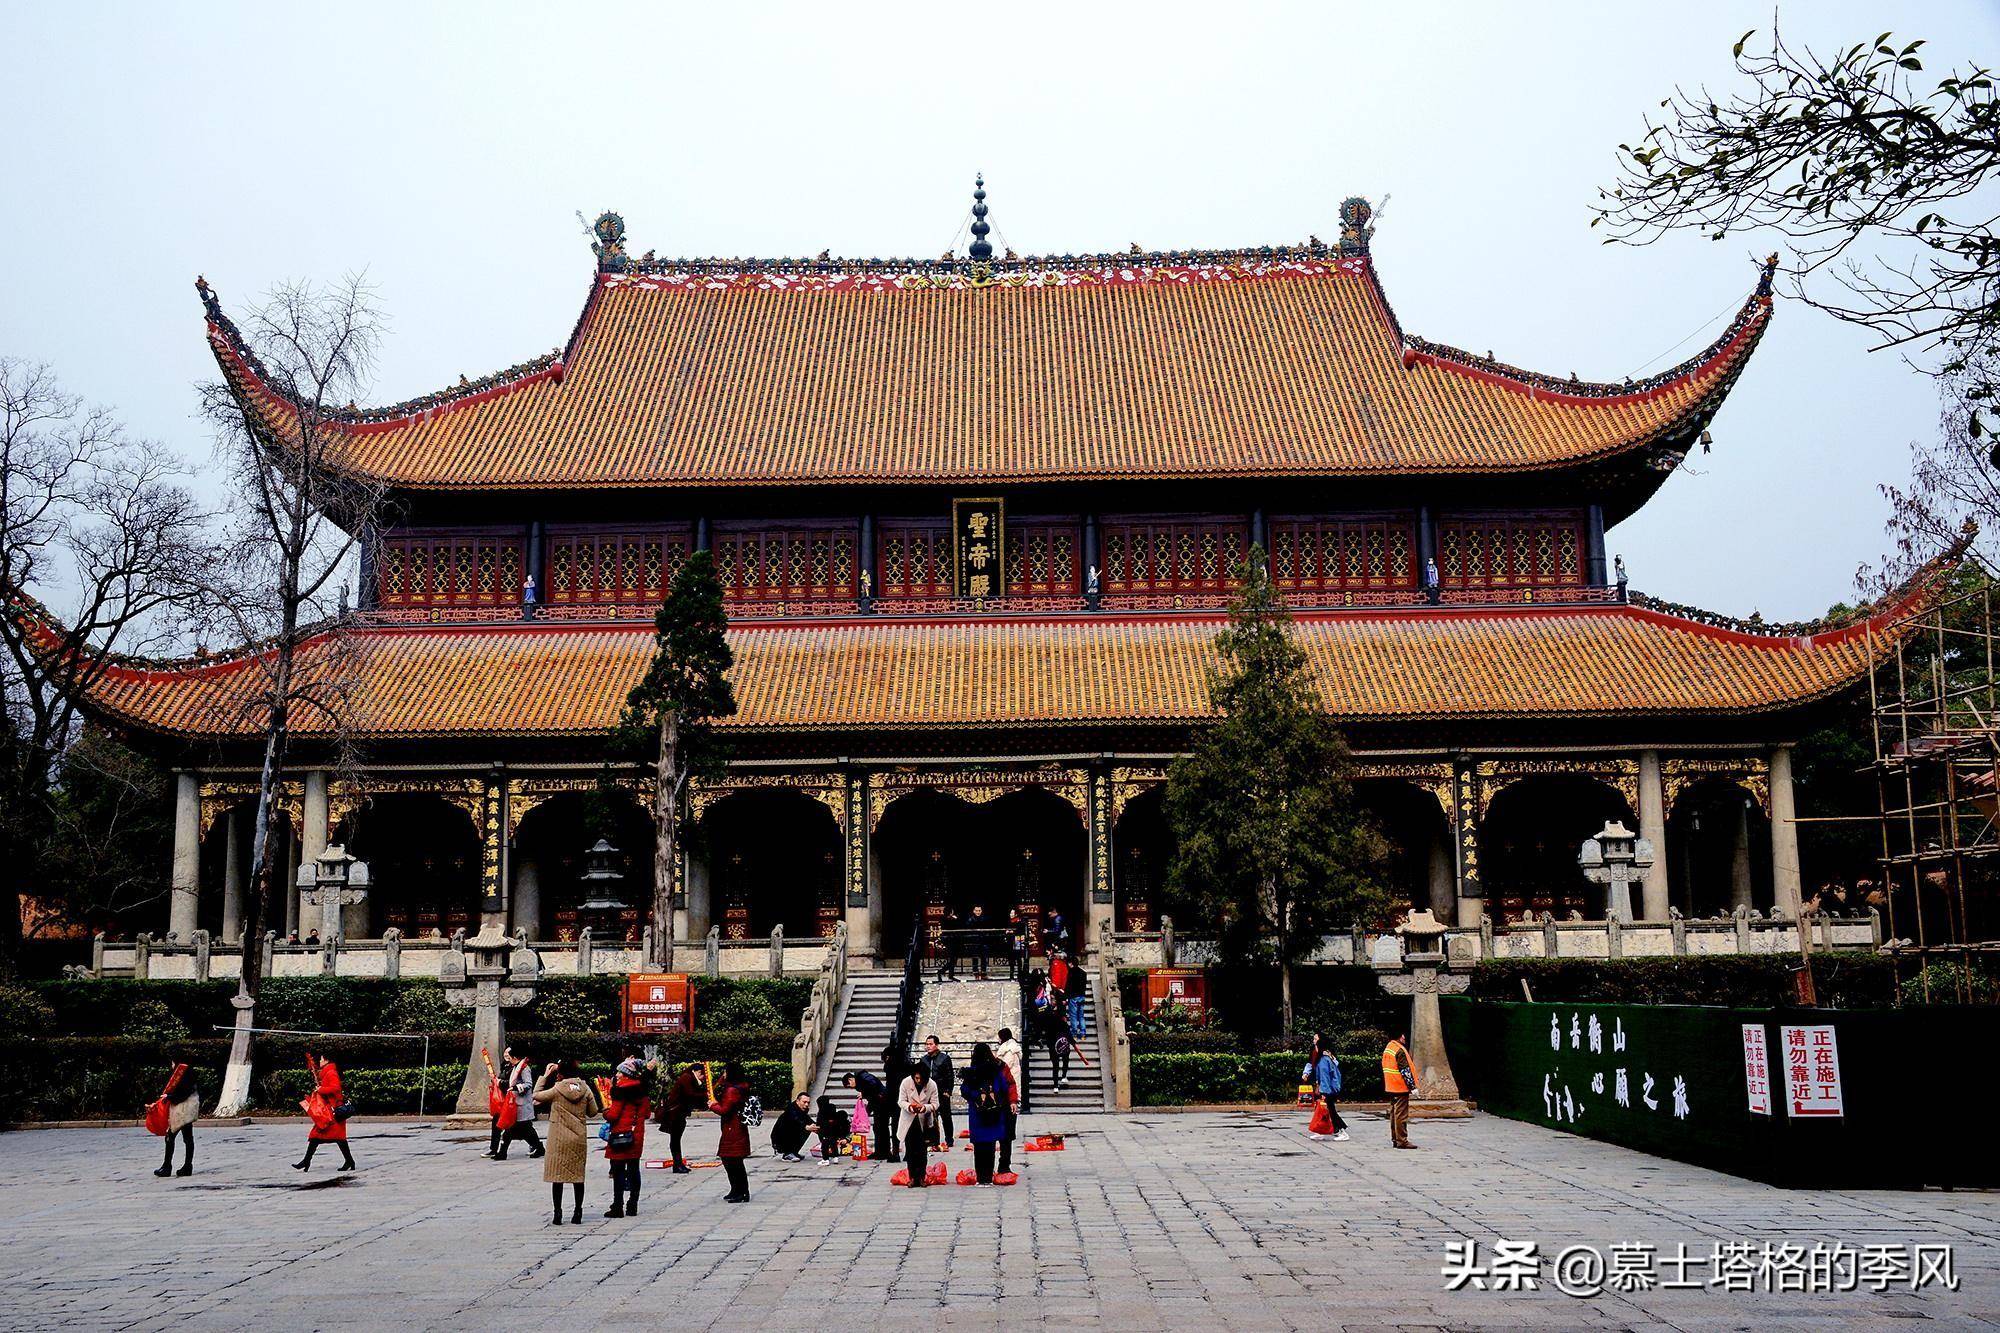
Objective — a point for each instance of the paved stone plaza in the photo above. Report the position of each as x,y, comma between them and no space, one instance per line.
1147,1222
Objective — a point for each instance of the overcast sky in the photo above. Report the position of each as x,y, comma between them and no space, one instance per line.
447,149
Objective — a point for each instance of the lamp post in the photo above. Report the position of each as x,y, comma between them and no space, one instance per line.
485,974
1617,859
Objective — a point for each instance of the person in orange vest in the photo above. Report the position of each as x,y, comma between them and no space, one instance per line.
1399,1080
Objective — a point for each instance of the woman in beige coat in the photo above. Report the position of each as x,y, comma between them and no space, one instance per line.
917,1107
571,1102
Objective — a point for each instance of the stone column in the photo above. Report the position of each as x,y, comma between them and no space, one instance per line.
698,914
1102,914
232,877
1739,861
1465,835
186,900
525,911
1653,828
1784,835
858,874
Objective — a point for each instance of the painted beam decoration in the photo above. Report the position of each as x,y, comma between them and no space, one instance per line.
978,548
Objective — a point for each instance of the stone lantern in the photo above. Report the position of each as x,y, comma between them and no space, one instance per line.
485,974
1616,859
334,881
1422,976
602,907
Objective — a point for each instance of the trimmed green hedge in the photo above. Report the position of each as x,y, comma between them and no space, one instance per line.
1244,1001
104,1008
1842,980
1198,1077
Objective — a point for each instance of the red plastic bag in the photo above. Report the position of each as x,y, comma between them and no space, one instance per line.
1322,1121
158,1116
901,1177
934,1175
968,1177
1006,1177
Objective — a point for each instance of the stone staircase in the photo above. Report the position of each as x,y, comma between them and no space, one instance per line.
1088,1083
866,1022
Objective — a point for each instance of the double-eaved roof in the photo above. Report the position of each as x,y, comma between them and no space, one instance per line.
872,674
1275,363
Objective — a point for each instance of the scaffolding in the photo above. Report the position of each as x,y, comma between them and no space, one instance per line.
1935,704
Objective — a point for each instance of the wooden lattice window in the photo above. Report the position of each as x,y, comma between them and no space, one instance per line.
1358,551
630,566
1510,550
795,564
1172,555
1042,559
915,561
469,568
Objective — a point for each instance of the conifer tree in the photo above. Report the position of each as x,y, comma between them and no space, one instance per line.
1271,847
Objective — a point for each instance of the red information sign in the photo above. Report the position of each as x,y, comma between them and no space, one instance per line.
1186,987
659,1002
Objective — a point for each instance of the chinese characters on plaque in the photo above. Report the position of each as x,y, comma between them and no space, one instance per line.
1757,1068
1812,1071
1629,1087
978,543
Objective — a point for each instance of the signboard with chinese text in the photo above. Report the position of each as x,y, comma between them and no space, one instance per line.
659,1002
979,548
1812,1070
1757,1068
1185,987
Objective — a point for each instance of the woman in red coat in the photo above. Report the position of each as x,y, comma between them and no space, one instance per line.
735,1144
625,1115
324,1105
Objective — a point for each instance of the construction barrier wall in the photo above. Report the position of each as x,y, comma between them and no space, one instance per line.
1846,1099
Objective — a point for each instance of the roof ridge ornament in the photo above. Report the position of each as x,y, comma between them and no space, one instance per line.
609,247
1355,229
981,250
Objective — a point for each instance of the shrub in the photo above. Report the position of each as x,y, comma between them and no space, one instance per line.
1193,1078
1214,1040
23,1011
1844,980
93,1008
788,996
150,1018
575,1004
1945,981
420,1006
739,1009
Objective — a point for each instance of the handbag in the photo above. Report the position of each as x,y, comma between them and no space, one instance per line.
621,1140
342,1111
159,1115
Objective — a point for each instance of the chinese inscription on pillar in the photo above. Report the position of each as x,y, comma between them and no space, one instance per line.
978,543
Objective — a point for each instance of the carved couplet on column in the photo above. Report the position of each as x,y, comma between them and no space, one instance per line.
855,871
1465,800
491,834
1100,838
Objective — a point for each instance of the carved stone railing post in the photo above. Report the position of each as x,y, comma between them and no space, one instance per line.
201,955
1741,918
1678,926
714,962
777,951
584,962
270,951
392,953
142,955
1166,941
97,954
1614,938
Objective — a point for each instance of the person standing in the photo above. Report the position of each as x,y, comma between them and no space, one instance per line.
572,1101
895,1068
182,1094
735,1144
979,939
1326,1081
916,1111
1073,1003
936,1062
624,1143
521,1086
986,1091
1009,1053
953,941
874,1095
1055,935
327,1105
1017,945
1399,1080
684,1098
